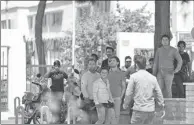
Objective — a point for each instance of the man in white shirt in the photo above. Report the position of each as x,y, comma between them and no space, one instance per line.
143,88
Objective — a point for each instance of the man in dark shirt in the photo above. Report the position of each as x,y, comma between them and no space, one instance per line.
185,71
109,53
151,62
57,89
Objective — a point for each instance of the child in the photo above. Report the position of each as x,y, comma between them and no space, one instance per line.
103,99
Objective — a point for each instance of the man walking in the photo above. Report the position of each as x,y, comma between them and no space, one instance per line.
164,66
143,87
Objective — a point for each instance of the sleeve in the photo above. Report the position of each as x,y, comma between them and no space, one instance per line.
48,74
156,61
84,85
158,94
129,91
95,90
110,94
179,60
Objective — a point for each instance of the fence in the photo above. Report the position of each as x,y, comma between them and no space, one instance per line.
4,78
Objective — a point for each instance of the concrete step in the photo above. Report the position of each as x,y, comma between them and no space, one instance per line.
174,122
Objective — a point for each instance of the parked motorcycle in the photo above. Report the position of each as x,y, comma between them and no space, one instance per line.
33,103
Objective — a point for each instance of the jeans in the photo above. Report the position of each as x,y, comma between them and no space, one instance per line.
140,117
55,106
117,108
165,80
179,86
106,115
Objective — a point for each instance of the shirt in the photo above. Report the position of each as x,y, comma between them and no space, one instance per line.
186,60
164,60
87,81
57,78
101,91
115,79
143,88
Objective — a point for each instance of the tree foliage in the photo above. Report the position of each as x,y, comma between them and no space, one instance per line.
95,32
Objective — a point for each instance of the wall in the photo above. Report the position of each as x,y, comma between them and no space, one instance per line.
17,67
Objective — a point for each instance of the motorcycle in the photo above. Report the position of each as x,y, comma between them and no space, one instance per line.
33,103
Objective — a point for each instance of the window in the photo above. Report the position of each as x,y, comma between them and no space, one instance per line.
83,11
30,22
4,24
57,18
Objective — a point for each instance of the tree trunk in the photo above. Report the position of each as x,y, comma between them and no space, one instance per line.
162,22
38,36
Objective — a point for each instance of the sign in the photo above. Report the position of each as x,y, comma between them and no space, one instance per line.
186,36
4,96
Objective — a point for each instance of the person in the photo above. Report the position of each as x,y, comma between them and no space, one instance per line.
109,53
151,62
57,89
164,65
117,84
88,78
102,96
181,76
132,69
127,63
95,57
143,88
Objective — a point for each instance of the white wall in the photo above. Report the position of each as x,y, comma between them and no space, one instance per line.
127,42
17,67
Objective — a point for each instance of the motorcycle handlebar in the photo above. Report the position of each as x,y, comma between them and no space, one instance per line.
38,84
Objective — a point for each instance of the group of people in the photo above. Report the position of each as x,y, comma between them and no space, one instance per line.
131,86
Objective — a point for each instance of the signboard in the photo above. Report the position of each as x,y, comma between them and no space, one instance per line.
186,36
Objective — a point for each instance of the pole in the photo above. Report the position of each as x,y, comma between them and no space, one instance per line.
73,37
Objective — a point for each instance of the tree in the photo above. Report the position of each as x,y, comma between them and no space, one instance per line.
95,32
162,22
38,36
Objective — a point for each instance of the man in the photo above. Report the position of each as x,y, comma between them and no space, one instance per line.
109,53
95,57
143,87
151,62
164,66
127,63
57,89
117,84
182,75
88,79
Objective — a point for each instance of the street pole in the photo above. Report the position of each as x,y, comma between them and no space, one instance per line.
73,37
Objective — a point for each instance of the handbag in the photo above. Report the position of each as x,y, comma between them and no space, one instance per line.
108,105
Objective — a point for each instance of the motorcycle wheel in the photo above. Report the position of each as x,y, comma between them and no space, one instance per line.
36,118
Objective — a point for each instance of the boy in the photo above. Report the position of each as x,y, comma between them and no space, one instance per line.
103,99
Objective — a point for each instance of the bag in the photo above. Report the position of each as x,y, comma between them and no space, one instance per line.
108,105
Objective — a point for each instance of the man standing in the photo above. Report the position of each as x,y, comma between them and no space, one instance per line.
117,84
88,79
164,66
182,75
143,87
109,53
127,63
57,89
151,62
